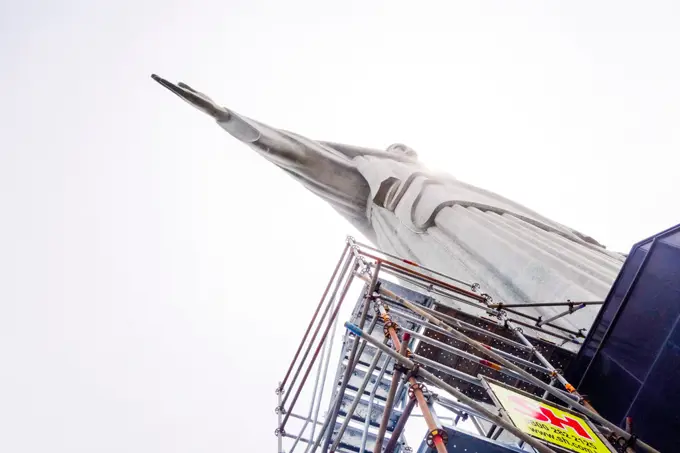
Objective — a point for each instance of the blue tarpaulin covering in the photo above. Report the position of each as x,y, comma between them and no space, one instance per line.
629,365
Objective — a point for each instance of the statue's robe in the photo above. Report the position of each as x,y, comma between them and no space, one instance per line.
513,253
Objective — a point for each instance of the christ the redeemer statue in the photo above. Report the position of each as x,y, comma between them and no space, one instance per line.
514,253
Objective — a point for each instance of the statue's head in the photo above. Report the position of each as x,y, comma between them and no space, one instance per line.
402,150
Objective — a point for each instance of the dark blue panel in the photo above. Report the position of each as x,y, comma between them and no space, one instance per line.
608,312
655,413
672,239
460,442
649,314
634,368
611,400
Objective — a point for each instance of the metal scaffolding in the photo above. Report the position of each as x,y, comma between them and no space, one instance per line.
393,345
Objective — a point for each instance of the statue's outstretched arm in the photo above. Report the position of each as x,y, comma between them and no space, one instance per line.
267,140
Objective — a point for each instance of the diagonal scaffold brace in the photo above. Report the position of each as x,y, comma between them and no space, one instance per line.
412,366
437,437
576,405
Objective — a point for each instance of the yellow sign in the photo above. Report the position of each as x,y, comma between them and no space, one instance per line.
549,423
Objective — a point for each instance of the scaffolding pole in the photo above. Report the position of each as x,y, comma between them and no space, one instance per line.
553,391
389,402
367,421
349,260
279,434
399,428
316,352
472,286
568,303
462,324
454,350
436,436
410,365
554,373
357,400
316,313
466,355
443,328
350,363
427,278
431,289
315,404
569,311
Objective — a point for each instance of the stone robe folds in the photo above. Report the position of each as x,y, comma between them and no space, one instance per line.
515,254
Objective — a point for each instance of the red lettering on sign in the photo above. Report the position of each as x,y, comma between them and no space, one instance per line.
567,422
528,408
543,414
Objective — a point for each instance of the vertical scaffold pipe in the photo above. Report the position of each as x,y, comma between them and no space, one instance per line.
399,428
348,282
348,371
401,423
346,266
537,382
367,422
435,433
316,313
357,400
279,433
553,371
493,418
389,402
316,402
327,419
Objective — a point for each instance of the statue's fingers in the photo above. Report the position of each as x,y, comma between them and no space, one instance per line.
203,95
194,98
187,87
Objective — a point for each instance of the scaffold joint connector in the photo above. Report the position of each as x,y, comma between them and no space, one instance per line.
398,367
413,372
417,386
390,325
430,439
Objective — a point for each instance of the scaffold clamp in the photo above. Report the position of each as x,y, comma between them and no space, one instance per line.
413,372
390,325
400,368
443,435
417,386
622,444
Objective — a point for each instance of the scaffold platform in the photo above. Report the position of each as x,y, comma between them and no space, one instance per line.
423,352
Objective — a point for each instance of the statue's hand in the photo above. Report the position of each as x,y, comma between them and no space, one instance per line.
195,98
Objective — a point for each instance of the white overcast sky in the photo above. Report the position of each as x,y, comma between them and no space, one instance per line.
156,274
